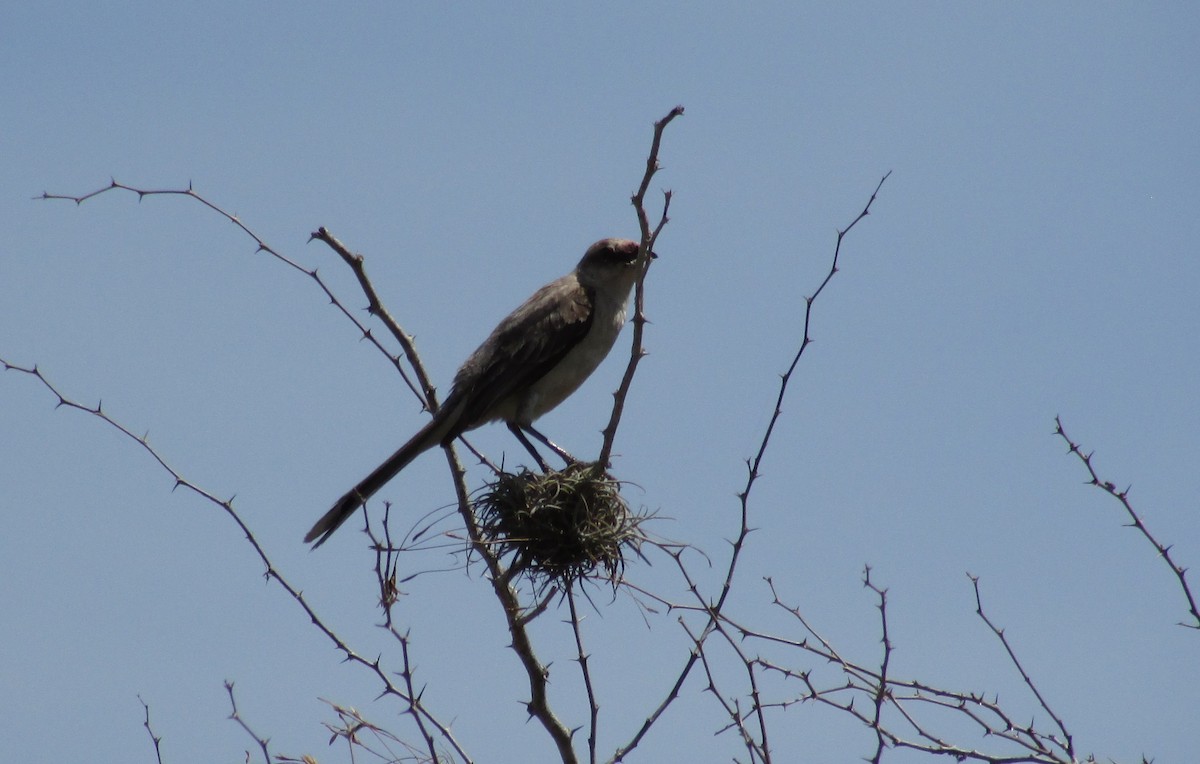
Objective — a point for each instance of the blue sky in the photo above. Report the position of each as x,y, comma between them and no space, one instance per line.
1033,254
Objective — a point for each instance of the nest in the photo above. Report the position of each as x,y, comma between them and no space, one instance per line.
560,526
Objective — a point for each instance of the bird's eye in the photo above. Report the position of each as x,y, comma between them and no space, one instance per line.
627,252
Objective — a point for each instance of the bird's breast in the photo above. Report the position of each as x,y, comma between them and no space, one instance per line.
578,364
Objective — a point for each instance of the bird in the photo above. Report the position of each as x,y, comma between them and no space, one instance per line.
533,360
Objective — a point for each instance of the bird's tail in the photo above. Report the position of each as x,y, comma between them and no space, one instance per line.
439,429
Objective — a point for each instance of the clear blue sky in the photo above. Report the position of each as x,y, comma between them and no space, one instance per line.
1034,253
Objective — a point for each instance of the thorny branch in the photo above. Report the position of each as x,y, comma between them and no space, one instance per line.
516,615
880,696
893,708
156,739
237,717
714,608
582,656
639,316
270,571
263,246
376,308
514,612
1135,521
368,737
1012,656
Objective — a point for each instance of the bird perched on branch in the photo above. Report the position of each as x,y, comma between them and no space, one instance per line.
532,361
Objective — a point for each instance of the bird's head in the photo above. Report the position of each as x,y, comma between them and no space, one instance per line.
610,261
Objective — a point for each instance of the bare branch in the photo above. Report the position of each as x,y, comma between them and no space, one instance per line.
355,729
1135,521
584,669
1012,656
235,716
639,318
907,699
713,609
375,307
150,730
263,246
407,675
521,644
881,687
270,571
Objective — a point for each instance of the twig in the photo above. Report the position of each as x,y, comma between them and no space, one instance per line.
584,669
714,608
881,688
270,572
521,644
637,350
375,307
353,725
406,674
882,691
263,246
1066,736
150,730
1135,521
737,717
753,465
235,716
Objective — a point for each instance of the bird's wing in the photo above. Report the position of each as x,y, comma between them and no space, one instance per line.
526,345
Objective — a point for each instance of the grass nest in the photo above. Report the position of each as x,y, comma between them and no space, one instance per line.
561,525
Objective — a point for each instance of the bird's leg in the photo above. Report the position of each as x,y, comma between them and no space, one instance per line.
562,453
516,430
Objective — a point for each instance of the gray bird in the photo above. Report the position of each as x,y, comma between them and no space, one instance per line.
532,361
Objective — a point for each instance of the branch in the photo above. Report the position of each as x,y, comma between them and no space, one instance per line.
262,246
521,644
157,740
639,317
536,673
235,716
1012,656
754,464
584,669
376,308
881,695
713,610
1135,521
354,728
270,572
907,697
